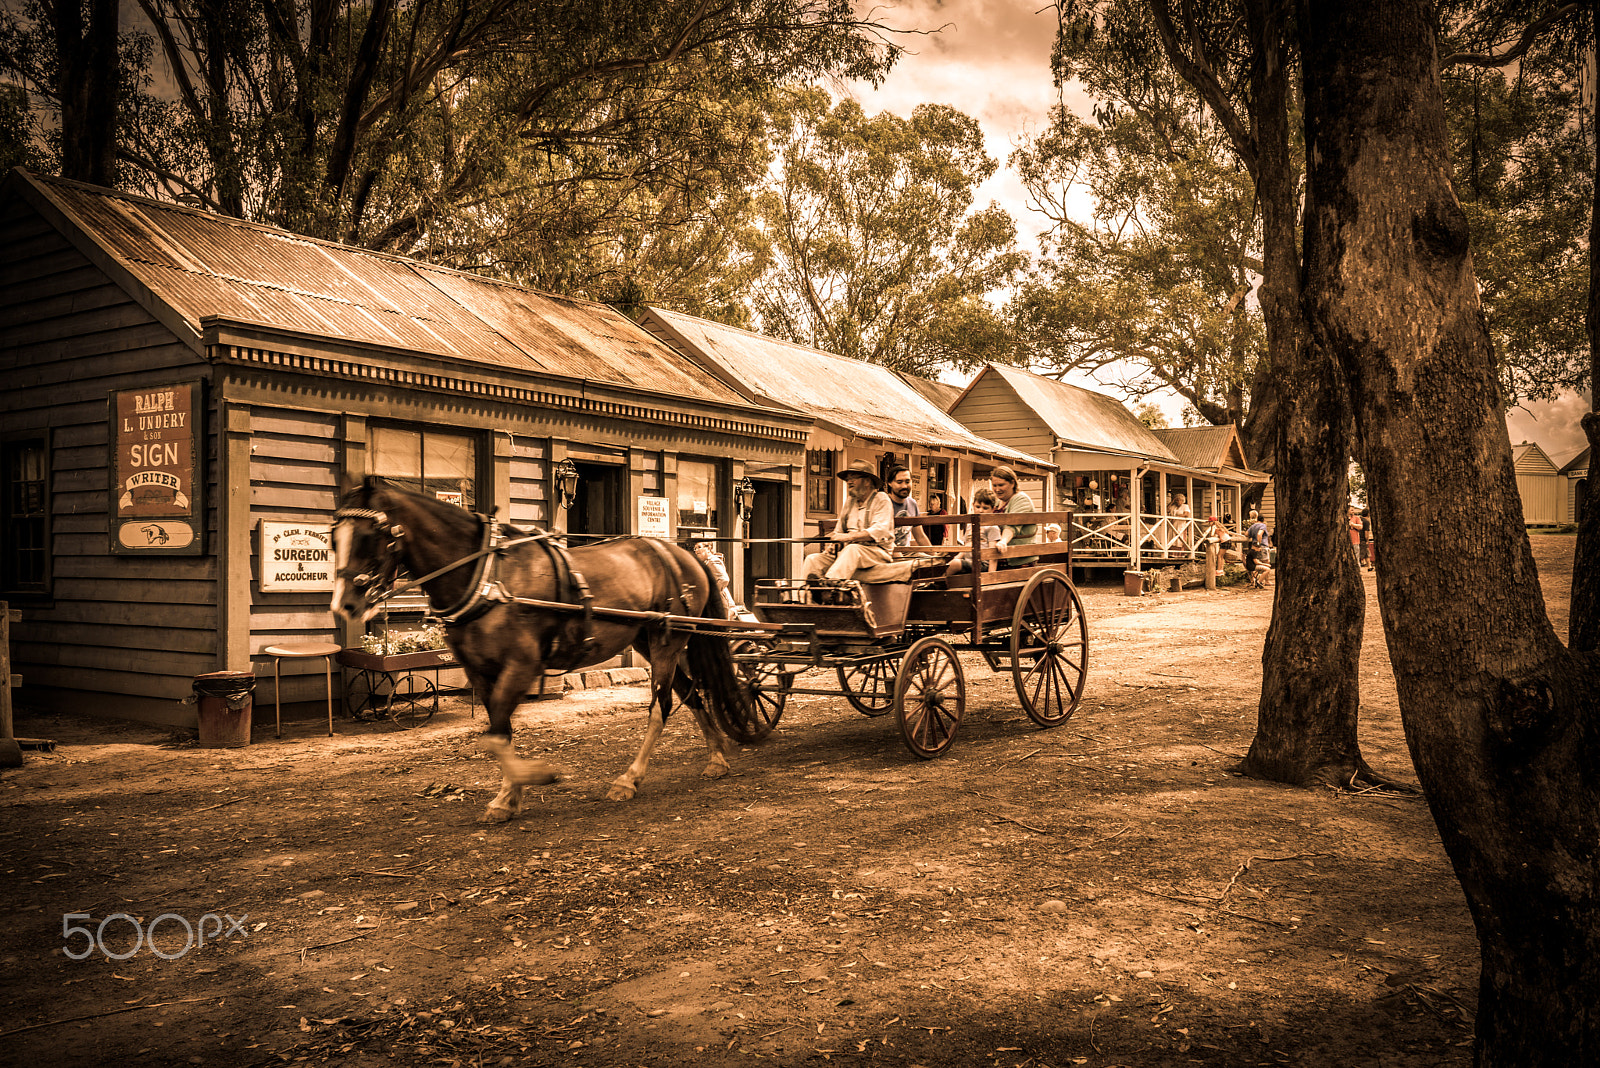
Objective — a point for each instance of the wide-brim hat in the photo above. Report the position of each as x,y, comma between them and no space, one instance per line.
861,467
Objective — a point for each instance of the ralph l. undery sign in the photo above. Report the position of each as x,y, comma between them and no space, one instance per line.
155,483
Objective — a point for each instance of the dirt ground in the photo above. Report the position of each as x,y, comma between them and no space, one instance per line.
1102,894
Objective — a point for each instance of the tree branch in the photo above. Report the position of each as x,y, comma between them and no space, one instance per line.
1516,51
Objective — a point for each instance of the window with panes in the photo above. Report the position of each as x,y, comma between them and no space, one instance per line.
24,517
439,463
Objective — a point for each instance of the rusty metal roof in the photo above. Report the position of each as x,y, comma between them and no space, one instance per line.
942,394
852,396
1210,448
203,265
1080,418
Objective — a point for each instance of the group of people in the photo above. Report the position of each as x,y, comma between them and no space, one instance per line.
864,536
1362,539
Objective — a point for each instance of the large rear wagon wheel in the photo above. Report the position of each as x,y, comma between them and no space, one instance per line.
870,688
765,688
930,694
1049,649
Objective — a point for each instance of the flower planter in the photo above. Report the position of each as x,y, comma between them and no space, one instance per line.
417,661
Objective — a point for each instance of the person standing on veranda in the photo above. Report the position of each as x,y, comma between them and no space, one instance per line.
863,535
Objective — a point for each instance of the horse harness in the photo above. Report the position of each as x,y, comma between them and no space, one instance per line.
568,643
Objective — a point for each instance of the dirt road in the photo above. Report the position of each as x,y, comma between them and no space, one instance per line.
1103,894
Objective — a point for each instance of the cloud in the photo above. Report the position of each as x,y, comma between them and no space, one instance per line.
1552,425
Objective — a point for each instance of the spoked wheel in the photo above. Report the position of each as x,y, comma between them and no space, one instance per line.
412,701
870,687
765,687
367,695
1049,649
930,693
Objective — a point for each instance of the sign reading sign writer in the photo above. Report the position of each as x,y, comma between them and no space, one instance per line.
296,556
155,476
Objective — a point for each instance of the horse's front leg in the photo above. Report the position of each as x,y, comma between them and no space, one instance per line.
624,786
509,690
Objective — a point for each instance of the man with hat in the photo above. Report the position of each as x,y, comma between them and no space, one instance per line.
864,533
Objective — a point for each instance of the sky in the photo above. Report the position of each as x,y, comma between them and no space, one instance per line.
991,59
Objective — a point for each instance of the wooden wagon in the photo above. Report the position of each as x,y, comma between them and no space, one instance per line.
892,646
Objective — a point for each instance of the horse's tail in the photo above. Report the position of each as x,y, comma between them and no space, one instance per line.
711,664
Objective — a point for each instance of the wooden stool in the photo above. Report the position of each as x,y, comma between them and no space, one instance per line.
300,651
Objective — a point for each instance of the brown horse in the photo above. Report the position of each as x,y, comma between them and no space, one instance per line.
474,582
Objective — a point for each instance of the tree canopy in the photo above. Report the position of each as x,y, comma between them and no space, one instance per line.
589,146
875,250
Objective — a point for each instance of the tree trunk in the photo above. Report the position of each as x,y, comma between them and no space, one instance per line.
89,84
1583,625
1499,716
1310,687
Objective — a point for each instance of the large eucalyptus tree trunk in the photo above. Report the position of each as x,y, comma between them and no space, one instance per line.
1499,716
1310,683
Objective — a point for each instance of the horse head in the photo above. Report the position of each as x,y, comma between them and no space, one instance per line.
367,553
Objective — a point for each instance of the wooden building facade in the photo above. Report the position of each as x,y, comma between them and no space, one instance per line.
1543,490
1123,480
1575,472
175,380
859,411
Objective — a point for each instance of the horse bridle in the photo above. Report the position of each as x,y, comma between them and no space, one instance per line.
483,592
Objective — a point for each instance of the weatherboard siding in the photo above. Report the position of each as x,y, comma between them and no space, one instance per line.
130,630
991,410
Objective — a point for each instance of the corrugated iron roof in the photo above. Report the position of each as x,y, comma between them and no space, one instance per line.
1201,446
205,265
1081,418
860,398
1579,462
941,394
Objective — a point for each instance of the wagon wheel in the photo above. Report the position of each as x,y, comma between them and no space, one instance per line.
870,687
367,695
408,703
930,693
765,687
1049,649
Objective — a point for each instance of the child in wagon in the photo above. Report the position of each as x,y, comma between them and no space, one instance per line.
984,502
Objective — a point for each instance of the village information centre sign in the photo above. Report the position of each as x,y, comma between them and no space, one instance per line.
155,471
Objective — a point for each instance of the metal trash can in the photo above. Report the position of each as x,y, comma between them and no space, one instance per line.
226,700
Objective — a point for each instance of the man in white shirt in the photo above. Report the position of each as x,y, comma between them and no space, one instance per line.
863,536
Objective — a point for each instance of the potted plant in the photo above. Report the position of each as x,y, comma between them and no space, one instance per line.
409,650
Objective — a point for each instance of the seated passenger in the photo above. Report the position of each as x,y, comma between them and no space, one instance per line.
1003,481
863,536
983,502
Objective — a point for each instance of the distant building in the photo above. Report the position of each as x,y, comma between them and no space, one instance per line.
1575,473
1542,488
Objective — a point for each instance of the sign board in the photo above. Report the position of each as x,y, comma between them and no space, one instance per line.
296,557
654,521
455,497
156,478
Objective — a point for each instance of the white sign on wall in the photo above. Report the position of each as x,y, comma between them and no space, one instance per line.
296,556
654,520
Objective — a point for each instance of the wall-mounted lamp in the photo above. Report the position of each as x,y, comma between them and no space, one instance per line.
565,474
744,492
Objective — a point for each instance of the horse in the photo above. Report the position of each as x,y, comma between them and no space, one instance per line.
480,583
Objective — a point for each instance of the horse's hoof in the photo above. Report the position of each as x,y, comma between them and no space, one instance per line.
619,792
715,771
537,775
495,815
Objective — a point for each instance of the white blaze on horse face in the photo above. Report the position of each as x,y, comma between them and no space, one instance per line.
342,536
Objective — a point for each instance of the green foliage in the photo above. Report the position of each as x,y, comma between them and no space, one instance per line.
599,147
875,251
1150,415
1160,274
1524,172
